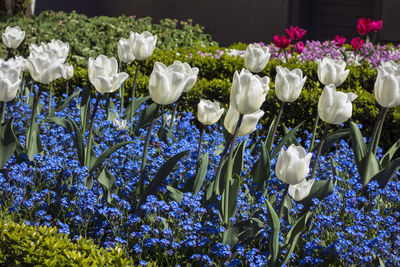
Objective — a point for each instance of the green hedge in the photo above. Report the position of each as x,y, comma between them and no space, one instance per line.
26,245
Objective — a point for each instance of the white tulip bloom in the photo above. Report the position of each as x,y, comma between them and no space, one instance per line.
13,36
301,190
249,121
332,71
9,82
288,84
256,57
209,112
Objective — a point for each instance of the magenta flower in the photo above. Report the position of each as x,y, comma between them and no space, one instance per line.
296,33
376,25
282,42
364,26
357,43
339,40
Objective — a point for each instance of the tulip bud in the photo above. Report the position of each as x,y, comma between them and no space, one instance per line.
119,124
166,84
103,74
249,121
301,190
332,71
209,112
288,84
387,85
256,58
68,71
300,47
293,165
125,51
335,107
9,82
142,44
248,91
13,36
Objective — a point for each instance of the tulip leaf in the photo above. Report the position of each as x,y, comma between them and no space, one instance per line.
71,126
201,174
369,168
229,197
85,108
98,161
268,140
146,116
34,146
238,158
294,234
285,139
292,139
260,172
160,176
112,113
8,141
129,111
332,138
107,181
386,159
358,144
66,102
320,189
275,225
164,133
242,232
385,175
175,194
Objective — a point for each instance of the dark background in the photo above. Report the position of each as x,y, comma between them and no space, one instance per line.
230,21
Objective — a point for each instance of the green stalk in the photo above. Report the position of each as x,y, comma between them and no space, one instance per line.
34,113
219,168
203,129
229,169
281,108
376,134
50,95
285,193
89,140
134,89
320,144
2,111
314,132
173,115
145,150
122,90
67,87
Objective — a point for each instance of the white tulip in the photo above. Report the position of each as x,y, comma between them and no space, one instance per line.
13,36
55,48
9,82
387,85
209,112
248,91
120,124
18,63
249,121
332,71
44,67
103,74
68,71
125,51
256,58
301,190
142,44
191,72
335,107
288,84
293,165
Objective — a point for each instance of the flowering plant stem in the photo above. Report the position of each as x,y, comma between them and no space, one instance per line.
314,132
145,150
282,106
173,115
134,89
2,111
376,134
50,95
89,140
320,145
229,170
122,90
285,193
203,129
34,113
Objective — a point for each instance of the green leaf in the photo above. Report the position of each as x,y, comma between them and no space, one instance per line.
146,116
285,139
332,138
35,145
242,232
238,158
228,211
66,102
8,141
369,167
85,108
261,169
128,114
98,161
320,189
292,139
385,175
160,176
275,225
201,174
107,181
294,234
386,159
268,140
112,113
358,144
175,194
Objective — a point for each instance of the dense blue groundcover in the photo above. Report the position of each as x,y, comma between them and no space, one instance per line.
50,191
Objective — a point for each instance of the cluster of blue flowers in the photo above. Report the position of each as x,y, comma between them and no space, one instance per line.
348,227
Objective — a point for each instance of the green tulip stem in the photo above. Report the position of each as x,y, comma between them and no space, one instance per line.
173,115
9,53
320,145
89,140
282,205
203,129
67,88
281,108
376,134
314,132
134,89
145,150
2,111
50,96
286,56
220,164
229,170
122,90
34,113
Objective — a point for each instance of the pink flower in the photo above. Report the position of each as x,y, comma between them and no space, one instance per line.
364,26
339,40
357,43
282,42
376,25
299,46
296,33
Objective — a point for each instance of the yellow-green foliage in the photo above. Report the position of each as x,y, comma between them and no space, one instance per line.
30,246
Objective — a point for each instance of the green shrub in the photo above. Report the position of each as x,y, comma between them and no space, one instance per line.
26,245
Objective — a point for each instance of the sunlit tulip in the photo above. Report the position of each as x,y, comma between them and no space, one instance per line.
301,190
68,71
125,51
191,72
387,85
248,91
249,122
44,67
18,63
142,44
13,36
288,84
332,71
293,165
256,57
166,84
335,107
103,74
9,82
55,48
209,112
